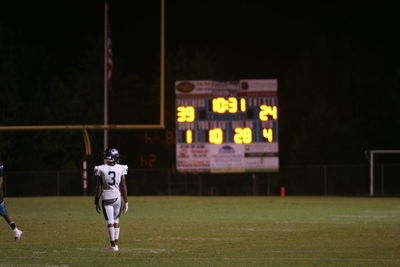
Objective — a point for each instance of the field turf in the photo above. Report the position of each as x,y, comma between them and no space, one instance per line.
207,231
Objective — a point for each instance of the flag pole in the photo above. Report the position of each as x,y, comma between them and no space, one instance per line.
105,75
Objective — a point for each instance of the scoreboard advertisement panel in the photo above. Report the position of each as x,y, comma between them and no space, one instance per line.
227,126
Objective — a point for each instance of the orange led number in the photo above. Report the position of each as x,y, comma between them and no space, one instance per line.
266,111
185,114
267,133
215,136
189,136
243,136
230,105
242,104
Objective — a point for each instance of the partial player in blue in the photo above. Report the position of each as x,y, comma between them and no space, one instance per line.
3,210
110,186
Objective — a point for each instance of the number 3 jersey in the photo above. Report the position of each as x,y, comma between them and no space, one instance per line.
110,176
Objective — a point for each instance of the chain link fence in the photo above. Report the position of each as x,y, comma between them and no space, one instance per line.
351,180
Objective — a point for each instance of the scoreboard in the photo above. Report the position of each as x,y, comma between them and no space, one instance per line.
227,126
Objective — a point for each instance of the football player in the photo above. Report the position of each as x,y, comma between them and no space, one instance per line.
110,186
3,210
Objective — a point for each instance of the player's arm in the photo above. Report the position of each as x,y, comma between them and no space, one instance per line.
124,193
97,194
124,189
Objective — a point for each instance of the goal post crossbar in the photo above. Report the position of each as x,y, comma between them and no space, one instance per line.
83,127
371,164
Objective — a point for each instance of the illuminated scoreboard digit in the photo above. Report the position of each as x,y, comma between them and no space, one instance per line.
227,126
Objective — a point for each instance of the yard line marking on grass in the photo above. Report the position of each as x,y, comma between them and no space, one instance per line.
382,211
123,249
198,238
34,265
39,252
363,216
341,223
147,250
285,230
301,222
313,259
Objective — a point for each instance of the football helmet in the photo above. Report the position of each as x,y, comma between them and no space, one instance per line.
111,155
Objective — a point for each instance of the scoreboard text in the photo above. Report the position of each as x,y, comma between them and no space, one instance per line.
227,126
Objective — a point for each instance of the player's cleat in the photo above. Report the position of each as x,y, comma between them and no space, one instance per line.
17,235
111,248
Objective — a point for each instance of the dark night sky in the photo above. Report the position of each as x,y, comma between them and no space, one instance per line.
253,31
252,39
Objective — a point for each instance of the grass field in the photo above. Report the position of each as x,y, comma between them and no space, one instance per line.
207,231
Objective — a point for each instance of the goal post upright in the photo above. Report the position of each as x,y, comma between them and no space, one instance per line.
371,165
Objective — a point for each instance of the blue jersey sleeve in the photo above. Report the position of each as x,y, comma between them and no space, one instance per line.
1,169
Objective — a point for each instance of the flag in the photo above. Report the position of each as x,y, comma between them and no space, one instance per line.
108,47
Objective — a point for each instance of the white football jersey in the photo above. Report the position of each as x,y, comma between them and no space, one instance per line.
110,179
